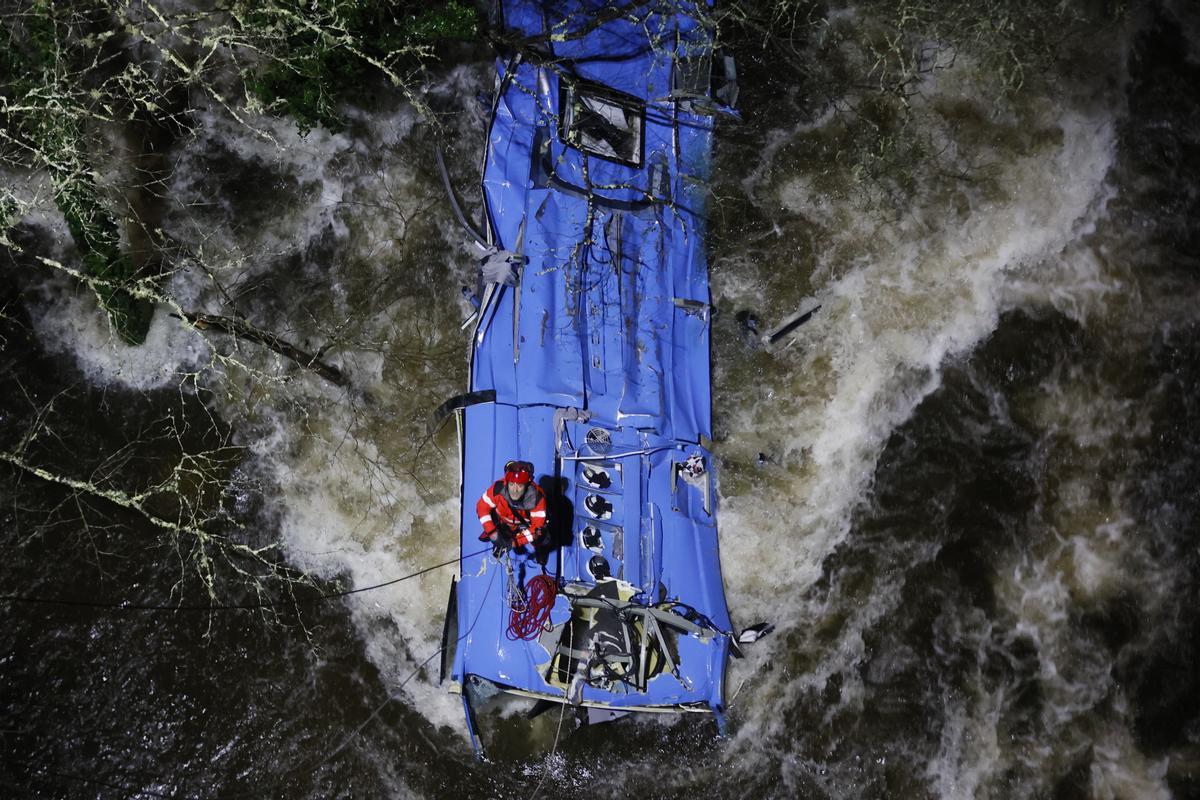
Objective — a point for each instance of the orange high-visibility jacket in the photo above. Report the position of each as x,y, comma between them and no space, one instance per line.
525,518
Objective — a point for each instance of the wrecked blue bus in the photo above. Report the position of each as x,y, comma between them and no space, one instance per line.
590,361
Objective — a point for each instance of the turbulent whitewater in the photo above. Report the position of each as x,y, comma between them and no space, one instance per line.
964,490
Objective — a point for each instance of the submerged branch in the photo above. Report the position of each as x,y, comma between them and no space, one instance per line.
244,330
144,290
135,503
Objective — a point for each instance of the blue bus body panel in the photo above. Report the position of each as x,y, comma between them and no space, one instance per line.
609,319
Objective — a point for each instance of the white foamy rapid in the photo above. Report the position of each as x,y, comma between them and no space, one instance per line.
899,298
374,269
322,239
1087,551
885,329
344,239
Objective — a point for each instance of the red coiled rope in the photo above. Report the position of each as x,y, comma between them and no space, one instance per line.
531,617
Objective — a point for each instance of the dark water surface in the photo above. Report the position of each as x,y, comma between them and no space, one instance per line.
975,521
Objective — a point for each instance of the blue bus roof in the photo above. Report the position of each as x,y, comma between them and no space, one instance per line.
596,174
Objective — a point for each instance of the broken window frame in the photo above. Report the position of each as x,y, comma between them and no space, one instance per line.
572,93
705,83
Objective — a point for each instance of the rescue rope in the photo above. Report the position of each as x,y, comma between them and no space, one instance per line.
129,789
530,610
295,601
562,713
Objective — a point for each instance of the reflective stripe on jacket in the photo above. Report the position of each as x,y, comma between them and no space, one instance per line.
525,517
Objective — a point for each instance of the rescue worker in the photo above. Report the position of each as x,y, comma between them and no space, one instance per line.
512,510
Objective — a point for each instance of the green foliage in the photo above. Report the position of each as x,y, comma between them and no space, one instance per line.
65,67
30,68
9,211
309,86
322,55
98,239
24,50
453,20
94,230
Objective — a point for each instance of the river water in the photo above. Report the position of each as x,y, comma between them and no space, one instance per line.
965,492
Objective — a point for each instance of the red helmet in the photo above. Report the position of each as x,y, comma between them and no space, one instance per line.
518,472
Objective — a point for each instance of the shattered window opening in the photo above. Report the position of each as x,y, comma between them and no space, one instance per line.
603,122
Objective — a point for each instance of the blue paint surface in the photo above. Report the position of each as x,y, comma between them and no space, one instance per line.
610,318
